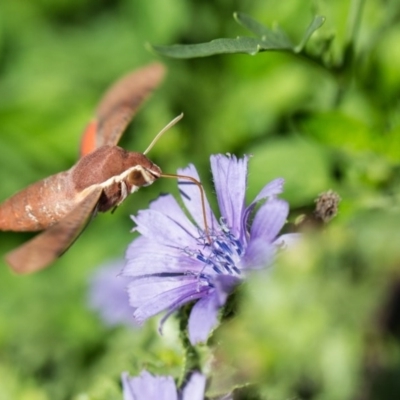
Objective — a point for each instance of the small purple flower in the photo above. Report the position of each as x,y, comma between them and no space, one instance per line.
175,261
149,387
108,296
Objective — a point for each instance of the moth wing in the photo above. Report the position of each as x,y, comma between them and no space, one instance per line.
119,105
47,246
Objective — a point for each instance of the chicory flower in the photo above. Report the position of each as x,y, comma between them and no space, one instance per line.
108,296
177,260
149,387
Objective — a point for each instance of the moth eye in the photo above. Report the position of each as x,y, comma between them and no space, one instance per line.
136,178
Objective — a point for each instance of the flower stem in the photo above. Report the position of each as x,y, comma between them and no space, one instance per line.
191,358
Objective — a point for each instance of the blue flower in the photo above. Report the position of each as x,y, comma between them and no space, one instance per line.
149,387
176,261
108,296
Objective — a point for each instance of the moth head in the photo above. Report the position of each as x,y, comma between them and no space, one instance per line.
143,173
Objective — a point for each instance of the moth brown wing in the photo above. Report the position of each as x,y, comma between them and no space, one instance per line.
119,105
47,246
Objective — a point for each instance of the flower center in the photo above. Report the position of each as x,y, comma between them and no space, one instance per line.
220,251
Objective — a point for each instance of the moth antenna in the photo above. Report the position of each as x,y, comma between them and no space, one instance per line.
163,130
202,198
189,178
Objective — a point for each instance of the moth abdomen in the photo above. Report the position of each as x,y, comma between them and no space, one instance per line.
38,206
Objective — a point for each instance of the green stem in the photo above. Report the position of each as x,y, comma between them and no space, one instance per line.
191,358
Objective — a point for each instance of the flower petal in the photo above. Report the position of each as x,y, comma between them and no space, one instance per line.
270,190
151,296
145,257
191,196
203,318
168,205
195,387
269,220
162,229
149,387
143,290
287,240
230,179
259,254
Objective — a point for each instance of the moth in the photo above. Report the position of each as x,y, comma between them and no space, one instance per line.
62,205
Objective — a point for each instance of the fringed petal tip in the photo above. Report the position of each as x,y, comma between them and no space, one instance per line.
230,181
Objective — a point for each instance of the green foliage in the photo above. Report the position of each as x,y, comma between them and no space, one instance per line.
268,39
322,113
314,322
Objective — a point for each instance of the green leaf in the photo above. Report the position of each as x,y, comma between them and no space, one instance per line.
218,46
267,40
316,23
276,37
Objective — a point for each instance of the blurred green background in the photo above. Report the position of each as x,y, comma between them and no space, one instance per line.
328,125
